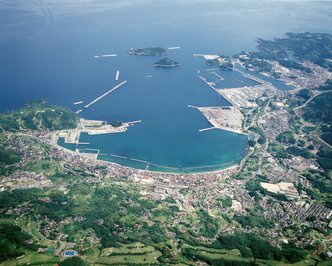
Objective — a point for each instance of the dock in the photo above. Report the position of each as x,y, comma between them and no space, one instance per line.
105,94
117,75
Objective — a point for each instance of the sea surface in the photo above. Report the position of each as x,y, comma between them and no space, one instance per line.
47,50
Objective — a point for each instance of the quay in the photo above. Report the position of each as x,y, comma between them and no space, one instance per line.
105,94
93,150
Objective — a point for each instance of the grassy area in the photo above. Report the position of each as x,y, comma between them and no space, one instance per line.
133,249
40,166
36,115
137,253
31,227
212,254
32,257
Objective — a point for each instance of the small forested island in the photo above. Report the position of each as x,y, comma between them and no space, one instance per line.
167,63
116,123
223,62
147,51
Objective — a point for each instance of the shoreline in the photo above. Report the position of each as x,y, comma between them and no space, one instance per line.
54,142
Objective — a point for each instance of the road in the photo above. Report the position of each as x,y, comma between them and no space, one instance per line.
308,101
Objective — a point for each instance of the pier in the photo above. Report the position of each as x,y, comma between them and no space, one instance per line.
216,74
105,94
248,76
241,81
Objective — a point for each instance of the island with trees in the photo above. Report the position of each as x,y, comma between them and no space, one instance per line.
149,51
167,63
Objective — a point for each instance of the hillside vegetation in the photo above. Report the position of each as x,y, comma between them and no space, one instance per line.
38,116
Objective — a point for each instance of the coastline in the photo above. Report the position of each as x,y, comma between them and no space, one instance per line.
92,156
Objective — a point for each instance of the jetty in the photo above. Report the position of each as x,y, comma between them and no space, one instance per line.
207,56
138,160
206,129
208,83
118,156
108,55
105,94
134,122
117,74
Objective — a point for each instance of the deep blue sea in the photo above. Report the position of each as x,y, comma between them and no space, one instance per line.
47,50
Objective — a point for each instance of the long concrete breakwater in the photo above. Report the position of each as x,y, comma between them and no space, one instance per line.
105,94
